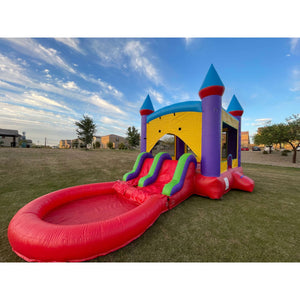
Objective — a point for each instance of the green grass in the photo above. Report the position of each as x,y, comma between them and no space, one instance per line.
262,226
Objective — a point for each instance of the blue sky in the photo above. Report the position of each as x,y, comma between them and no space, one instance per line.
47,84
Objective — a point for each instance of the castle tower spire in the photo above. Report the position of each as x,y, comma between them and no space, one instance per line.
235,109
146,109
211,92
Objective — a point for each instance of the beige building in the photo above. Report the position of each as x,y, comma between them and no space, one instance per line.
95,140
115,139
245,139
65,144
9,138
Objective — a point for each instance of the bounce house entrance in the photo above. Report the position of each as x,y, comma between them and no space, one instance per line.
173,145
229,146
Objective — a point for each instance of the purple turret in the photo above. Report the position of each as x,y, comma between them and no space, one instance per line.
146,109
211,93
235,109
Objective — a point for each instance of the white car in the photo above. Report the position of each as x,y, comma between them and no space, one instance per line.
268,148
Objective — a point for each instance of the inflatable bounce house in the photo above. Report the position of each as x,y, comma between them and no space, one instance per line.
83,222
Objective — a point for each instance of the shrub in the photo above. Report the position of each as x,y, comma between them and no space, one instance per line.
265,152
285,152
122,146
110,145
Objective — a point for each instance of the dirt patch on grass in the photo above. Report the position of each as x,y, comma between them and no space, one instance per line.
273,159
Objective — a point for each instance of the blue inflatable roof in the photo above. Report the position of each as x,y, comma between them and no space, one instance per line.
147,104
234,105
212,78
177,107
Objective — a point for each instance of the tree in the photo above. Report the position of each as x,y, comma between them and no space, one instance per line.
75,143
133,137
287,133
292,134
86,130
266,136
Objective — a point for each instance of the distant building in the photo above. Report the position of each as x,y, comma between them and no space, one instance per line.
115,139
65,144
95,140
245,139
23,142
9,138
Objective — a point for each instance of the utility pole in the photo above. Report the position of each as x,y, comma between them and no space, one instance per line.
45,142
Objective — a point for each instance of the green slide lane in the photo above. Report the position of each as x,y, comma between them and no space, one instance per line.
167,190
152,169
134,167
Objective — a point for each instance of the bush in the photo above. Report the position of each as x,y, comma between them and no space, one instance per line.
122,146
265,152
285,152
110,145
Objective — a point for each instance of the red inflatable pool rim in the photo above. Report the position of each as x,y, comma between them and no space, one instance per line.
35,239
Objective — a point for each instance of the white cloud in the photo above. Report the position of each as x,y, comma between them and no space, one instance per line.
38,100
136,52
296,87
52,125
6,85
158,96
188,41
70,85
96,100
109,89
13,72
262,122
36,50
295,80
114,122
293,44
124,54
107,120
14,77
72,43
109,51
34,99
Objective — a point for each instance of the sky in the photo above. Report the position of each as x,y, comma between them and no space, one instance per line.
47,84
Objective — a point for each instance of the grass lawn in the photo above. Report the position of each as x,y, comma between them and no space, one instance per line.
262,226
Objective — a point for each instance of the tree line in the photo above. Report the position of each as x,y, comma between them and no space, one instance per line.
281,133
86,129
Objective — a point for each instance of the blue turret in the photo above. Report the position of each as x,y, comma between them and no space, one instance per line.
235,109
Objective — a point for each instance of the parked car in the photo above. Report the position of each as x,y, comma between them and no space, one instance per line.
245,149
255,148
267,148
